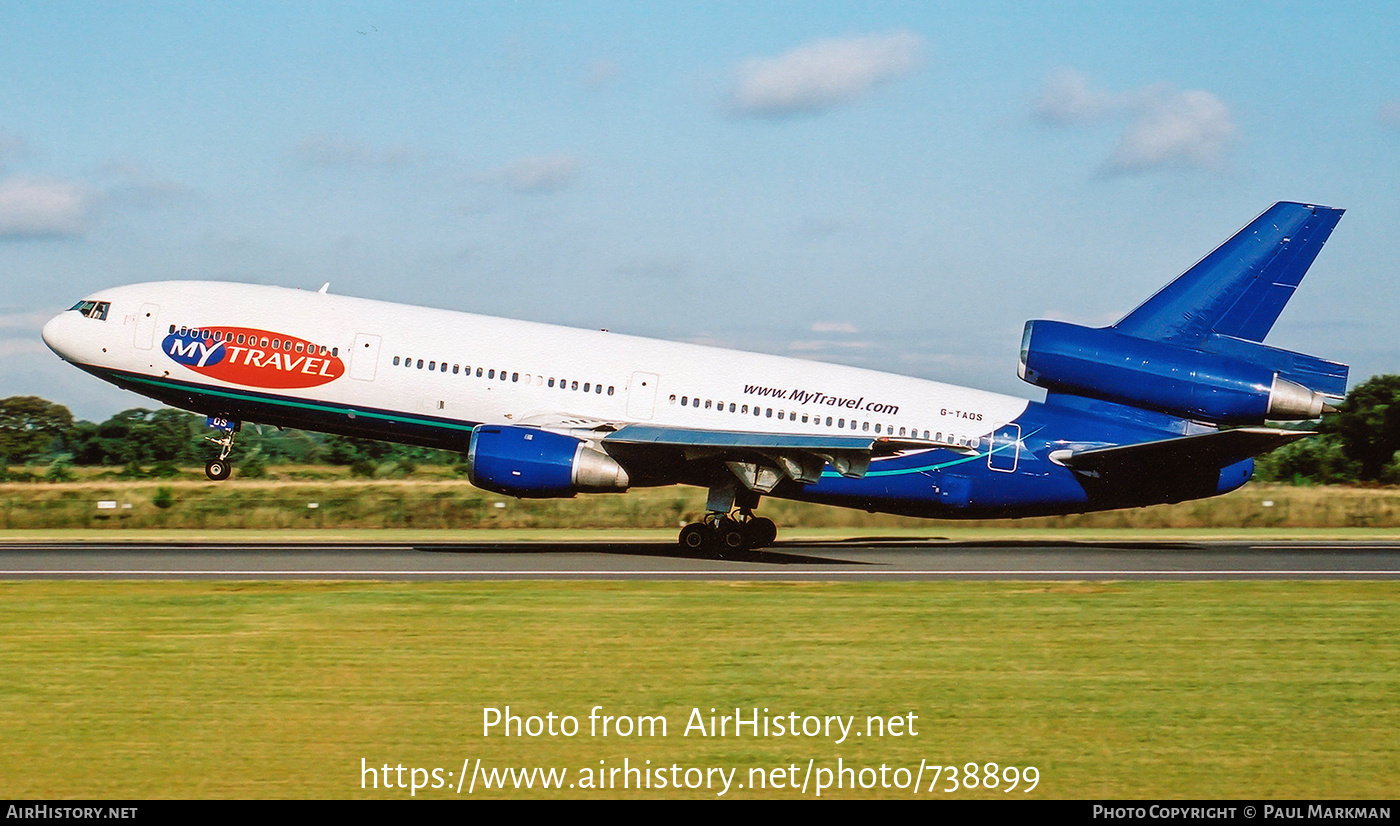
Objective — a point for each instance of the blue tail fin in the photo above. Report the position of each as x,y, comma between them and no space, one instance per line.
1239,289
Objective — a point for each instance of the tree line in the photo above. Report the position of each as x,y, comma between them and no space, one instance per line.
1358,443
159,442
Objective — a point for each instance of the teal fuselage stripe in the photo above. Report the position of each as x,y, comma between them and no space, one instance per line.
298,403
937,465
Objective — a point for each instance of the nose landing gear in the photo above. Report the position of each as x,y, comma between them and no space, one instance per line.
219,469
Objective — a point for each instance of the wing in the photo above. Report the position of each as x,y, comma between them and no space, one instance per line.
762,460
1208,450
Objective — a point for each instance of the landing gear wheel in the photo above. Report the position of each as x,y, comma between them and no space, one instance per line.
730,536
695,536
760,532
217,469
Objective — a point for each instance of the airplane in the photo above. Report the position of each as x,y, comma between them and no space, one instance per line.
1166,405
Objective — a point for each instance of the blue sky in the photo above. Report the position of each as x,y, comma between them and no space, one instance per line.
893,185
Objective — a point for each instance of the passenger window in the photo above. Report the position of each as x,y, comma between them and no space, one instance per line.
432,365
839,422
673,398
597,389
610,390
172,326
877,428
454,369
780,414
731,407
490,374
770,412
396,361
515,377
585,387
551,384
478,372
685,401
574,386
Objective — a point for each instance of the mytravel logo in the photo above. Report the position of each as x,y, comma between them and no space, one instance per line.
253,358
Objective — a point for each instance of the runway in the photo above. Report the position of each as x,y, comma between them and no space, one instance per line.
852,559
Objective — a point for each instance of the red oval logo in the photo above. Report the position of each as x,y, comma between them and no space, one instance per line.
254,358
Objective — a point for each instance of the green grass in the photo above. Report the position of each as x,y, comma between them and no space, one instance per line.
443,503
1186,690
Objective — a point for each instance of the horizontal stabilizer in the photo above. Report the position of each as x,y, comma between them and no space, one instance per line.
1239,289
1208,450
1326,377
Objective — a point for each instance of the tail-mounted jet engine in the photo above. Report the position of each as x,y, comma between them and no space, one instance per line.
1225,381
530,463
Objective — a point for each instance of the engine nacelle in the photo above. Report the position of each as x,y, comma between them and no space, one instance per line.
1193,384
537,464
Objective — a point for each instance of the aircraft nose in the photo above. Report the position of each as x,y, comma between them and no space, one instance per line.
54,336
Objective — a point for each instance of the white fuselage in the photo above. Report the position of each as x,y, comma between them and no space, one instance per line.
474,369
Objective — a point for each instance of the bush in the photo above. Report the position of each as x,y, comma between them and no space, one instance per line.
59,472
165,470
164,498
253,467
362,467
132,470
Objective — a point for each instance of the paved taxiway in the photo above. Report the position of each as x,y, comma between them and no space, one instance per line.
853,559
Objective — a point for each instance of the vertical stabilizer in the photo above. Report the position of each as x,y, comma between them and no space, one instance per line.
1239,289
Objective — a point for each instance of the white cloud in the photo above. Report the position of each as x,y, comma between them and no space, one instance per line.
825,73
44,207
537,174
1193,128
327,150
1390,114
816,345
833,327
11,347
1067,97
33,320
1164,126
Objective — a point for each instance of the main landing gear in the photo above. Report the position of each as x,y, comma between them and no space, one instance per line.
219,469
727,527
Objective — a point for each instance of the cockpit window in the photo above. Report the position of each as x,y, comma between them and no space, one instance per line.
93,309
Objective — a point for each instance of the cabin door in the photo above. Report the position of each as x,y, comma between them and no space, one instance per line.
364,357
641,395
146,326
